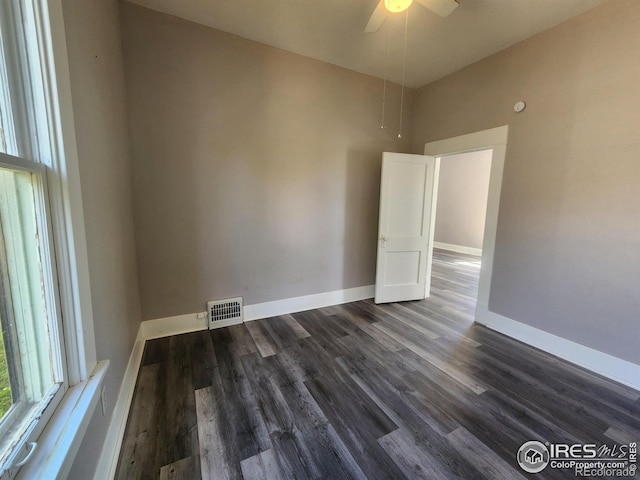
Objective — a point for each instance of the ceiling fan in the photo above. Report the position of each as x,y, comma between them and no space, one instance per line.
444,8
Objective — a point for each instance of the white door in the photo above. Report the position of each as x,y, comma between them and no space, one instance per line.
405,230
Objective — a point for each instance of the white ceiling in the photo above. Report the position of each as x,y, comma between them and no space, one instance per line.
332,30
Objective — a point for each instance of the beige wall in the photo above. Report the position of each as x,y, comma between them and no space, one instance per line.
462,198
97,84
256,171
567,257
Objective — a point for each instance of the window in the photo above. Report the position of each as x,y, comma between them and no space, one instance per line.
35,368
31,359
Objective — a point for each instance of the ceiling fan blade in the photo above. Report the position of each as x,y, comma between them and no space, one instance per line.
444,8
377,17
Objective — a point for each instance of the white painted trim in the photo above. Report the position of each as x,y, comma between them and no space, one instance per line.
108,461
469,142
166,327
608,366
433,211
68,216
458,248
59,442
496,139
307,302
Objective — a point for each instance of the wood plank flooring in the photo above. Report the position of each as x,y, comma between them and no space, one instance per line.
363,391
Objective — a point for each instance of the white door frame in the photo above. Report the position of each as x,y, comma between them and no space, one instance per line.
496,139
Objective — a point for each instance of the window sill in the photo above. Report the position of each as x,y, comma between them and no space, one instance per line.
59,442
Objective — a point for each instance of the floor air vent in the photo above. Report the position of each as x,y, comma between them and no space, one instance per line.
223,313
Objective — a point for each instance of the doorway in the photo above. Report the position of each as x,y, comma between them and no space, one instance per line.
460,215
494,139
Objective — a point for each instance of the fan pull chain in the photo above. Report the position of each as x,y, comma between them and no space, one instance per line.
404,65
386,65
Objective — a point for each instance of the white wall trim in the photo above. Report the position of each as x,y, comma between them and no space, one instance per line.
108,461
64,182
469,142
59,442
496,139
608,366
458,248
306,302
164,327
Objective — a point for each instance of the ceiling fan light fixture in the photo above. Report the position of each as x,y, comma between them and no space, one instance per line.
395,6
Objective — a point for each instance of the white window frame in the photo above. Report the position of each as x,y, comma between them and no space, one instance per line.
56,148
27,432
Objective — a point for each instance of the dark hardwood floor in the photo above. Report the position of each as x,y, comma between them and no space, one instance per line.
410,390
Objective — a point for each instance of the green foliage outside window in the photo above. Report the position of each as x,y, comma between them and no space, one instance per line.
5,389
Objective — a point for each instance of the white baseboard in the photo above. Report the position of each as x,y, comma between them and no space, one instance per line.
164,327
108,461
614,368
458,248
307,302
